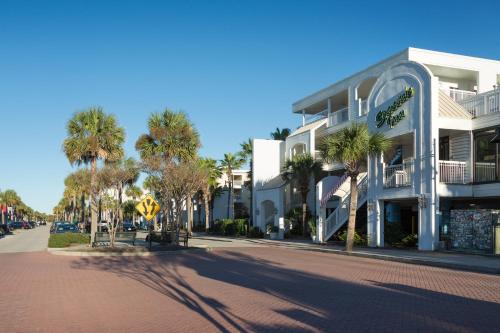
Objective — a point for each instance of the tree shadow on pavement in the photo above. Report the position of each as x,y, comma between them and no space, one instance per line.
312,302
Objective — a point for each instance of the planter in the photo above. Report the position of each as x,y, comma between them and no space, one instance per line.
273,235
313,237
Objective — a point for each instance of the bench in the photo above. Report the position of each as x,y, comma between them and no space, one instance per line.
183,238
120,236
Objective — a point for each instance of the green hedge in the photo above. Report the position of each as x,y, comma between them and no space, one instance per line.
230,227
66,239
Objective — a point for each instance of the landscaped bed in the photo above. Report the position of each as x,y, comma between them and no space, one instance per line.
67,239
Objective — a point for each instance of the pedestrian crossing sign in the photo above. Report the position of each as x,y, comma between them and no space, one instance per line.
148,207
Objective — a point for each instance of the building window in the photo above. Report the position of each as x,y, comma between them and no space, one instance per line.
444,148
486,157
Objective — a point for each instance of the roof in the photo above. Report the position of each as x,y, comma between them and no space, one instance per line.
448,108
314,125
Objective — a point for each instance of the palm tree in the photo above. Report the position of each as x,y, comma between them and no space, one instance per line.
93,135
351,147
230,163
247,154
171,138
299,170
212,173
280,134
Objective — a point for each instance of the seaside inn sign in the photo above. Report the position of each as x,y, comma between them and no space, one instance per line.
388,117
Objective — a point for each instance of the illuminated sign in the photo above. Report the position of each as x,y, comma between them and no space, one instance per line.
388,117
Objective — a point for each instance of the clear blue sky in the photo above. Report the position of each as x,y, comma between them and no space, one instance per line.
234,66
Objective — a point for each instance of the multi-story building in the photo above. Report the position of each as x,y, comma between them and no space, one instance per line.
441,178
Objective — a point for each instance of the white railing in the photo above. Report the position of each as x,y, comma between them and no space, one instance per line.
482,104
398,175
452,172
363,107
459,95
484,172
315,117
338,117
340,215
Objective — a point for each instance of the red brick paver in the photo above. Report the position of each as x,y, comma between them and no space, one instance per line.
234,290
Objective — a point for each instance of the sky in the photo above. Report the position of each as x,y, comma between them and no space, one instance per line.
235,67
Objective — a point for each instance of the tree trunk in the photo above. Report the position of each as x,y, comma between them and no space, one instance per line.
93,203
207,211
82,204
189,205
351,226
304,213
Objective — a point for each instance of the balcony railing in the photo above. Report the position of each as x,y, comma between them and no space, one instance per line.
483,104
452,172
338,117
484,172
399,175
459,95
315,117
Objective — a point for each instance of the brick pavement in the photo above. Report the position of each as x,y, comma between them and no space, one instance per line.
231,290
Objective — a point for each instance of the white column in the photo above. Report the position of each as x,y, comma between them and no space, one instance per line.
329,108
321,211
303,117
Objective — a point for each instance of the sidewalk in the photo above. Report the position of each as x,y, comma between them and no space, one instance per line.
460,261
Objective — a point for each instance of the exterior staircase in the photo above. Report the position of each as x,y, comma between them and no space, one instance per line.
340,215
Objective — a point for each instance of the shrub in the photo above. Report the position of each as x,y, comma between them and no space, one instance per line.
255,232
410,241
312,227
358,240
271,228
241,227
66,239
393,233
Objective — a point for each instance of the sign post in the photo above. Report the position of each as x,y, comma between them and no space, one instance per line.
148,208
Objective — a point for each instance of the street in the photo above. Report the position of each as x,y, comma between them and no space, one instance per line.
255,289
25,240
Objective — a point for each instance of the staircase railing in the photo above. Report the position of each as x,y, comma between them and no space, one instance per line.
341,214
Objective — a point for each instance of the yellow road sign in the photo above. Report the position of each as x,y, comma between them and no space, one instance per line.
148,207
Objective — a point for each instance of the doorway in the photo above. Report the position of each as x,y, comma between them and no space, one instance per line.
401,223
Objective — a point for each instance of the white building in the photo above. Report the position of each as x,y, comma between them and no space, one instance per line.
440,109
222,207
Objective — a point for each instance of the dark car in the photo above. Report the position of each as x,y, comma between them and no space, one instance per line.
6,229
43,223
18,225
66,227
127,226
32,224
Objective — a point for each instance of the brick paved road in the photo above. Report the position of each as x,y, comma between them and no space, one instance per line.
230,290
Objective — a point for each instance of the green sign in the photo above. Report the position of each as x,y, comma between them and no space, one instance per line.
388,116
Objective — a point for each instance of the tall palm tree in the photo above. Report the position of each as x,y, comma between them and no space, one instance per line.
230,163
212,173
299,170
280,134
247,154
93,135
351,147
171,138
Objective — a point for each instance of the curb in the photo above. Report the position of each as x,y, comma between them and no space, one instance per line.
411,260
65,252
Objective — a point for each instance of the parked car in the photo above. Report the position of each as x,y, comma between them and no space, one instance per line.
103,226
66,227
19,225
6,229
43,222
32,224
129,226
54,226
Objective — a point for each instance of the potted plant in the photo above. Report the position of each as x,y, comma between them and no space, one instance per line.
312,229
272,230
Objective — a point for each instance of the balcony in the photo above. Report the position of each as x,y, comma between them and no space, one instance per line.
338,117
482,104
459,95
399,175
484,172
452,172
